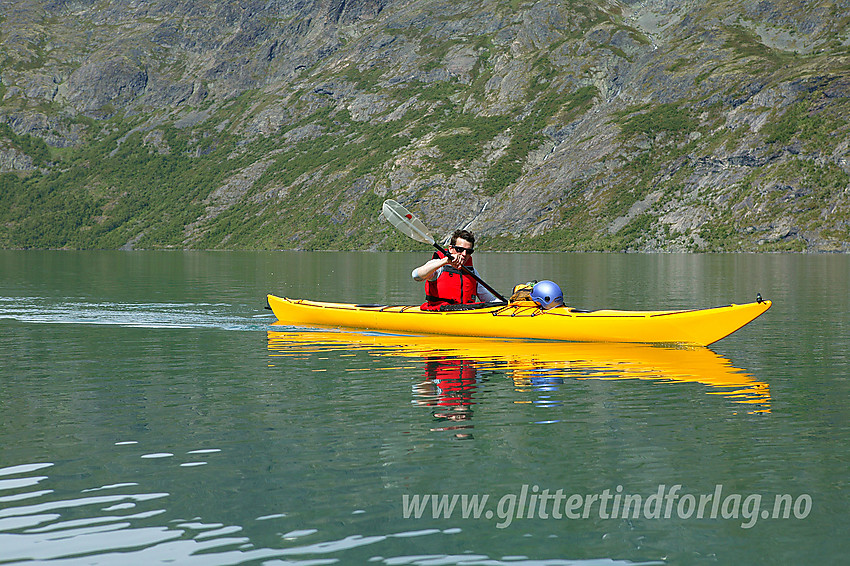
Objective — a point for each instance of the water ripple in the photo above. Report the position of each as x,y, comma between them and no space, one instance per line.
38,532
133,315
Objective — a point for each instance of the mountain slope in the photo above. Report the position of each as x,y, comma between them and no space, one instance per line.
581,125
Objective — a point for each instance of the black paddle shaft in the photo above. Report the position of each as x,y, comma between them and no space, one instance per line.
472,274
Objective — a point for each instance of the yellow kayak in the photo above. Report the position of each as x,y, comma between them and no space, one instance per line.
525,320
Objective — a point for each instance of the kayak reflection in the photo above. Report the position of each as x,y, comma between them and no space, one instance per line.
452,364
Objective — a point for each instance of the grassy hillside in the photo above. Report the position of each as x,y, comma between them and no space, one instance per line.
540,125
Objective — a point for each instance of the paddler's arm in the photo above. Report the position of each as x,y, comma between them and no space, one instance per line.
426,272
483,294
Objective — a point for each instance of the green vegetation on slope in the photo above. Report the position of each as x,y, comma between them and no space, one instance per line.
736,142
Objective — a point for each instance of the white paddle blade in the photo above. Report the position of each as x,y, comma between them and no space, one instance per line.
406,222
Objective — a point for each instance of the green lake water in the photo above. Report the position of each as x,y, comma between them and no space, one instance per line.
150,413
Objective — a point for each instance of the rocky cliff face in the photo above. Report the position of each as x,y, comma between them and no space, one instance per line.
588,125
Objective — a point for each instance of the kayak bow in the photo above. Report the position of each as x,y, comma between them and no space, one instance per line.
699,327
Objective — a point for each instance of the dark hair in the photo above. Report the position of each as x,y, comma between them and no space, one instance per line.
465,234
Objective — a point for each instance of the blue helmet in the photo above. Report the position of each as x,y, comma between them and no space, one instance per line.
547,295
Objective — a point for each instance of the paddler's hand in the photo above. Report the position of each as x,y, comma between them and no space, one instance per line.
455,260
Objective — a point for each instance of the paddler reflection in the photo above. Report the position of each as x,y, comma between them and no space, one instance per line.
450,387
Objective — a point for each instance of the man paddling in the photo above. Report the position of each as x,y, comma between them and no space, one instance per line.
446,282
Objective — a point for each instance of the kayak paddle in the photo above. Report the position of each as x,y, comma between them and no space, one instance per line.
413,227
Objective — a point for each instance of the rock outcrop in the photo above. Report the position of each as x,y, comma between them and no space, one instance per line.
593,125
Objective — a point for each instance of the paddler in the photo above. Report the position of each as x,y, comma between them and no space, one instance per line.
446,283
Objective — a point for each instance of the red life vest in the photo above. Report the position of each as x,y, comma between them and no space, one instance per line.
450,288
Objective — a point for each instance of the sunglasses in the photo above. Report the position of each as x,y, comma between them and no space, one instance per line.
459,250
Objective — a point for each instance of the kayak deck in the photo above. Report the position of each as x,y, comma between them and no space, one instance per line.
525,320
